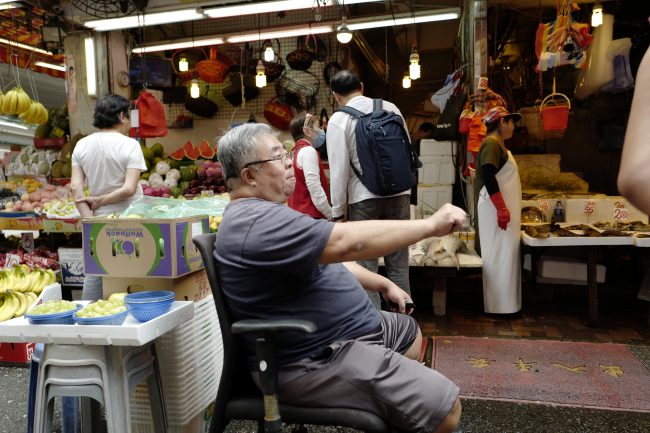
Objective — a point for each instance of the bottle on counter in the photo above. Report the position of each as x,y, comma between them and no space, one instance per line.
558,212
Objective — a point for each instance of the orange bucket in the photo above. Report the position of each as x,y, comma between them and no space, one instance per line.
555,114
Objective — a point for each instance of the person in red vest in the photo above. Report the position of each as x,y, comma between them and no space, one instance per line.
311,195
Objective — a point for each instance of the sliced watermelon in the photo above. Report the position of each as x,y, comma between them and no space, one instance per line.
193,154
206,151
178,155
188,146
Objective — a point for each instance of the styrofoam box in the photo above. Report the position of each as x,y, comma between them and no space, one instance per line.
437,170
430,147
431,198
563,270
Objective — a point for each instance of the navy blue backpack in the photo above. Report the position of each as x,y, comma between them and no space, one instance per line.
388,163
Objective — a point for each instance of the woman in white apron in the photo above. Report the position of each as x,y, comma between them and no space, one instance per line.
499,214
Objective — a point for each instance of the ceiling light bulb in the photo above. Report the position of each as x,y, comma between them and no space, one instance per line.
260,78
414,67
597,15
183,65
269,54
343,33
406,81
194,89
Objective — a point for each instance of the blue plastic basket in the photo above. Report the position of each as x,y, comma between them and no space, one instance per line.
145,306
115,319
62,318
149,296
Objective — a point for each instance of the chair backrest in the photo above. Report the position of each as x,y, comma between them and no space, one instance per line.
234,367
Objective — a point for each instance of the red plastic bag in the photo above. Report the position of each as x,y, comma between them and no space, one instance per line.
151,115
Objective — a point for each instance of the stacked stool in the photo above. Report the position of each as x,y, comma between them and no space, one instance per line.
107,374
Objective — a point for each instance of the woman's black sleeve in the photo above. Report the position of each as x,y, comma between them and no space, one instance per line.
489,173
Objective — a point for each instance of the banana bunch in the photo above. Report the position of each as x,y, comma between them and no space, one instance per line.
16,101
19,289
15,304
36,114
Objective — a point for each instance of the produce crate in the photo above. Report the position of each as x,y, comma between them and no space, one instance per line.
20,221
142,247
67,225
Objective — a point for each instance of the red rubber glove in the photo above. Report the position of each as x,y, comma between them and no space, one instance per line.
503,214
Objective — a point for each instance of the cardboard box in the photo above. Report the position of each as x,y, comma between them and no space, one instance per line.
72,266
20,221
142,247
70,225
192,287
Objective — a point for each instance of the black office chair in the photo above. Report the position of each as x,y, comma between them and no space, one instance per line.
239,398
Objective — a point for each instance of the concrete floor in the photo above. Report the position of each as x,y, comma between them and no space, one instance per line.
479,416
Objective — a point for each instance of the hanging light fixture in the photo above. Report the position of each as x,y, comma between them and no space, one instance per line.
260,78
406,81
414,67
183,64
269,54
343,33
195,92
597,15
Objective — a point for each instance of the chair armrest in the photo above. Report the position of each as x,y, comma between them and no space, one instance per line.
272,326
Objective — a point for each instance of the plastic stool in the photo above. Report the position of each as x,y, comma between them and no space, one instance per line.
106,374
70,406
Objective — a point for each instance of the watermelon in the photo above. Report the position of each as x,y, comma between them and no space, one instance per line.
188,146
206,151
193,154
178,155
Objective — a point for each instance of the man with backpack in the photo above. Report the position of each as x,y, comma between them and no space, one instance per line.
372,167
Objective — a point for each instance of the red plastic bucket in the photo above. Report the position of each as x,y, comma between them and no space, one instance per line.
555,114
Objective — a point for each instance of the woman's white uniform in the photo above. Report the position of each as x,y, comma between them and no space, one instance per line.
500,248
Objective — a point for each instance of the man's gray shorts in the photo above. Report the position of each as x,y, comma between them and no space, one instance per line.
372,374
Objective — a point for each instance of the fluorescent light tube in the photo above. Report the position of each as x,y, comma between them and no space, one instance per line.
24,46
51,66
147,20
404,19
5,6
91,78
184,43
235,38
6,1
271,6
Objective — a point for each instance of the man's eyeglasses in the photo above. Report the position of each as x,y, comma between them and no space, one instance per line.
284,157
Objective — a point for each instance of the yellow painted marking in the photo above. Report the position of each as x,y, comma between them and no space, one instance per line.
480,362
612,370
576,369
524,366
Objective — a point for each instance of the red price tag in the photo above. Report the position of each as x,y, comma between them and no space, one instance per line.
544,206
589,207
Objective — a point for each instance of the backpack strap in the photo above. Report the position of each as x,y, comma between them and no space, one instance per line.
377,104
351,111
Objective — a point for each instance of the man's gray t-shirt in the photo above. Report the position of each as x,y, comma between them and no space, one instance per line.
268,257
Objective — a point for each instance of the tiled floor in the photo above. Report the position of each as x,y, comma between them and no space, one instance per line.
549,312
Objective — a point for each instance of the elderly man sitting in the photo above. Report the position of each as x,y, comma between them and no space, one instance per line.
276,263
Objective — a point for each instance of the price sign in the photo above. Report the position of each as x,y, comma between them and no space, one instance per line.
62,193
619,211
12,260
28,241
589,207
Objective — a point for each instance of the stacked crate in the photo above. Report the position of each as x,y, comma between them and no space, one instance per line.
437,175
